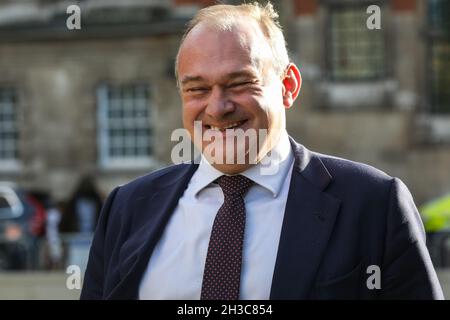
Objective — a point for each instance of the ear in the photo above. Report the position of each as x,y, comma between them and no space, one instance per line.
292,82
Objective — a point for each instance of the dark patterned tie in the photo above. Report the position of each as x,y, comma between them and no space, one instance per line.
222,275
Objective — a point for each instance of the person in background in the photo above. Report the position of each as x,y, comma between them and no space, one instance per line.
54,243
83,208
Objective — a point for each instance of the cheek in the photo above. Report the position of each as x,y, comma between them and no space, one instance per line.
261,108
186,122
269,113
190,113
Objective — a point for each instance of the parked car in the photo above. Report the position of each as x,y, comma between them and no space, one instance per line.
22,217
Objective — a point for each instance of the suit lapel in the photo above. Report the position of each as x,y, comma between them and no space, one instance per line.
150,214
308,222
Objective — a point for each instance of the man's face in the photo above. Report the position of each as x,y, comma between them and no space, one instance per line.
227,82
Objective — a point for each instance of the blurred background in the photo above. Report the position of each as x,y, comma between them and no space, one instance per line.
82,111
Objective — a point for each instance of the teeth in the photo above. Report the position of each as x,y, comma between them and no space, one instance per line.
231,125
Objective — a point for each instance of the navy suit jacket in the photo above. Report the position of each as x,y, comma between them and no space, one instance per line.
341,218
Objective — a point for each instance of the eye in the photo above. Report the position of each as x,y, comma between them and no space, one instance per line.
240,84
197,89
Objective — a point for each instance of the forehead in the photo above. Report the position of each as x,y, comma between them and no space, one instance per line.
208,52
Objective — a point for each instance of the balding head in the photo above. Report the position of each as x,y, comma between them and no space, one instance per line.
229,17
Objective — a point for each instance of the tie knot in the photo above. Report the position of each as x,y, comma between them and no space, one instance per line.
234,185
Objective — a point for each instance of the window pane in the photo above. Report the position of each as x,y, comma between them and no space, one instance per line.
4,203
8,125
440,76
356,52
438,15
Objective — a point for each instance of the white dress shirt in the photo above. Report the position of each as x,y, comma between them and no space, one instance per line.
175,269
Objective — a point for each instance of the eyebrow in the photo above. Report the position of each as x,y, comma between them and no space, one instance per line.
229,76
187,79
242,73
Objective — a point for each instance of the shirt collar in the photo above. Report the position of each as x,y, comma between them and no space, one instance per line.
280,158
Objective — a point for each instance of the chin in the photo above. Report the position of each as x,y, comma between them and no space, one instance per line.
232,168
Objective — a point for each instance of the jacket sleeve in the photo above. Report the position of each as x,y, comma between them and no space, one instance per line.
93,283
407,271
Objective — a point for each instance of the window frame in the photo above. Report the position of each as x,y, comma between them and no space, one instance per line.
12,164
433,36
105,159
331,5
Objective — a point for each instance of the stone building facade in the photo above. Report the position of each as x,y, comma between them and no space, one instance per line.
102,100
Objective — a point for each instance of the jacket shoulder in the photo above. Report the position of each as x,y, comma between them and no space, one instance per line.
158,177
340,168
357,181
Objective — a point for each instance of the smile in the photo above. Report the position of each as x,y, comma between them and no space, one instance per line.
232,125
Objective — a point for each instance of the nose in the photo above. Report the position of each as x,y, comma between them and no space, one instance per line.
219,104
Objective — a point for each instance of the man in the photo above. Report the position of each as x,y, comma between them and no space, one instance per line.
319,228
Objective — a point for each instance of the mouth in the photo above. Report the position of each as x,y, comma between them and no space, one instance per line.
223,128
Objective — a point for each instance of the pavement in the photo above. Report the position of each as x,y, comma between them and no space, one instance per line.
54,285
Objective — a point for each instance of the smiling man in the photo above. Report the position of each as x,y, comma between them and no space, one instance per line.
222,229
